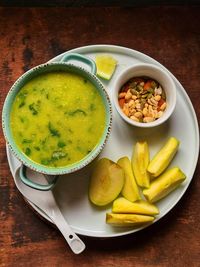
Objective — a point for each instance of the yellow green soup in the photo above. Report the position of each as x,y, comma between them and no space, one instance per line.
57,118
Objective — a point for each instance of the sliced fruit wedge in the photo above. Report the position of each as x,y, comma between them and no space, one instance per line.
130,189
163,158
122,205
106,182
127,219
106,65
140,161
164,184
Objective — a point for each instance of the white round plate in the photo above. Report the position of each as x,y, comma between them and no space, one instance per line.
71,192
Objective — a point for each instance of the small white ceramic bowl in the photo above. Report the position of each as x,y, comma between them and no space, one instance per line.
156,73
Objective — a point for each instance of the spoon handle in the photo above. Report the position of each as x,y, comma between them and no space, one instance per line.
75,243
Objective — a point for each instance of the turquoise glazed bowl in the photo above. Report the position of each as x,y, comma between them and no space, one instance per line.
63,65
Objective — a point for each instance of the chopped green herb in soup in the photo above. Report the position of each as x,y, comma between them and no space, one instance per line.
57,118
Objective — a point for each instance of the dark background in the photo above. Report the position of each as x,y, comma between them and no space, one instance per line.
168,31
78,3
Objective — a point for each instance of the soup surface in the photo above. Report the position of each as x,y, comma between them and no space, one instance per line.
57,118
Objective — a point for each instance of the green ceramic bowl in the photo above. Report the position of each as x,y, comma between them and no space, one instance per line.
44,68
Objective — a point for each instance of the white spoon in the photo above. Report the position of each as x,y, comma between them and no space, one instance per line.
46,202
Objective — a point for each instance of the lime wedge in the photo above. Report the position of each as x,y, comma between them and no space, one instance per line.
106,65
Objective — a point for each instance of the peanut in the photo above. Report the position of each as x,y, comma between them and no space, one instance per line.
131,103
132,111
122,94
128,95
138,115
134,118
157,97
138,106
145,111
163,106
150,109
159,114
126,110
158,91
152,101
134,97
148,119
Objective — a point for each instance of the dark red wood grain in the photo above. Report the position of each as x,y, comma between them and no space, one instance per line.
30,36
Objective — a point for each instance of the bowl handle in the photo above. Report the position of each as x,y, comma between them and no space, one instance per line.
83,59
28,182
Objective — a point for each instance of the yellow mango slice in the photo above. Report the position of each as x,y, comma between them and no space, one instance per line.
127,219
130,189
162,159
164,184
122,205
106,182
140,161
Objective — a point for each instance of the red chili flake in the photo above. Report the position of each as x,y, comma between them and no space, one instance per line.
121,102
160,102
147,85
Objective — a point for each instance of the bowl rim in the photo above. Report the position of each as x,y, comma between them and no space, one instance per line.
116,89
6,120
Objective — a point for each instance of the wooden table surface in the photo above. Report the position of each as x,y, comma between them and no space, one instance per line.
30,36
